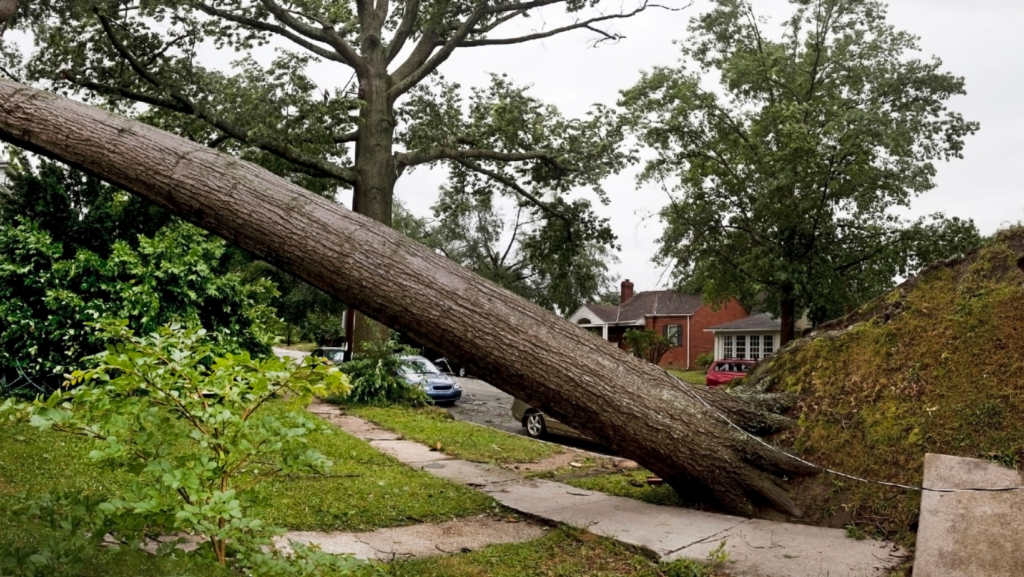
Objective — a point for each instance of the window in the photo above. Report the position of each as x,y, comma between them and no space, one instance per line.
755,346
750,347
674,333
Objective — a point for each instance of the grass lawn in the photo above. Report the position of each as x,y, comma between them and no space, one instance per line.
460,439
365,490
565,552
692,377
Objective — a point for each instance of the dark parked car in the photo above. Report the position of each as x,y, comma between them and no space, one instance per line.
725,370
336,355
537,424
441,388
450,367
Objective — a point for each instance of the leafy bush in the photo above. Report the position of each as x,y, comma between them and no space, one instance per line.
705,360
647,345
375,374
190,424
47,299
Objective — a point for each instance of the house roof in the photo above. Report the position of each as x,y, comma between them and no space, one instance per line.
645,304
761,322
607,313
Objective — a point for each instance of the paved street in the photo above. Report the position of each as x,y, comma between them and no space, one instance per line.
485,405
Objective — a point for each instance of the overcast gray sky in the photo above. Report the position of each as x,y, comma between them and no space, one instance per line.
978,39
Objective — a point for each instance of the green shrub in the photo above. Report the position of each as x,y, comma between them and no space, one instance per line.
375,374
705,360
190,425
647,345
48,299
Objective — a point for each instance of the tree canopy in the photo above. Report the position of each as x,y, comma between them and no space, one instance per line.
384,112
788,170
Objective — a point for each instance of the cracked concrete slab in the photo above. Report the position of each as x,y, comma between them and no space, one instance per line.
364,430
760,548
537,497
428,539
659,529
467,473
409,452
973,533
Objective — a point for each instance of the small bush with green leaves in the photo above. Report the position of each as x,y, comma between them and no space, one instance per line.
375,374
190,425
705,360
647,345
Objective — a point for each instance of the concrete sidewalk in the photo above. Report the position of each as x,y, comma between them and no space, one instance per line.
756,548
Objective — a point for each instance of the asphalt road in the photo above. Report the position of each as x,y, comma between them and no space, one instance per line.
485,405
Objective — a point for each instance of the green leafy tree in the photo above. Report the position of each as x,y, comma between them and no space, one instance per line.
77,210
536,258
197,428
47,299
387,113
788,170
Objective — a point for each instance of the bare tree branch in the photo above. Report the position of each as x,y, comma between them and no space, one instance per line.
587,24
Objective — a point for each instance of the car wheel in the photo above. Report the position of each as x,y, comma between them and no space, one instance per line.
535,426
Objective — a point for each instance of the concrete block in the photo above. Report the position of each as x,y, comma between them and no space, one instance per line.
409,452
537,497
466,473
759,548
975,534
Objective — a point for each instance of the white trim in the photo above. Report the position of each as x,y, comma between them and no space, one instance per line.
585,313
688,367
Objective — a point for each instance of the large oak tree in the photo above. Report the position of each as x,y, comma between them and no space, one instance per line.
380,111
788,170
518,346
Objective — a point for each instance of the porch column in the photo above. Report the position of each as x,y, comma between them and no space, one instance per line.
604,332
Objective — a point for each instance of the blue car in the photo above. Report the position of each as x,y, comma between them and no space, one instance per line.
441,388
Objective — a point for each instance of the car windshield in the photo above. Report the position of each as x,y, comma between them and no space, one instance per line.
732,367
335,356
417,366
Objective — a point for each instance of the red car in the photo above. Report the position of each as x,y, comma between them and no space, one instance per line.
725,370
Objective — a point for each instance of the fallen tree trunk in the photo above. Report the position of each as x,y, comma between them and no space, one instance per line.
627,404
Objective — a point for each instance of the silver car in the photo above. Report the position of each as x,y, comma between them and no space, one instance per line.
537,424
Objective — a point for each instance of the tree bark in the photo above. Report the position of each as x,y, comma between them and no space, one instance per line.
787,318
7,10
376,176
627,404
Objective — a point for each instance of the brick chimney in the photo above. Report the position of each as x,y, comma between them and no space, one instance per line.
626,292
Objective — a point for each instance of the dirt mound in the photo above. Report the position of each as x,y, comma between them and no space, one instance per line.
936,365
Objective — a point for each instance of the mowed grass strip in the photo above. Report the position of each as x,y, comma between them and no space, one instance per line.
434,426
565,552
365,490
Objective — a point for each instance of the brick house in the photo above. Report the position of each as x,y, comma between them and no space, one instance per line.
682,318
